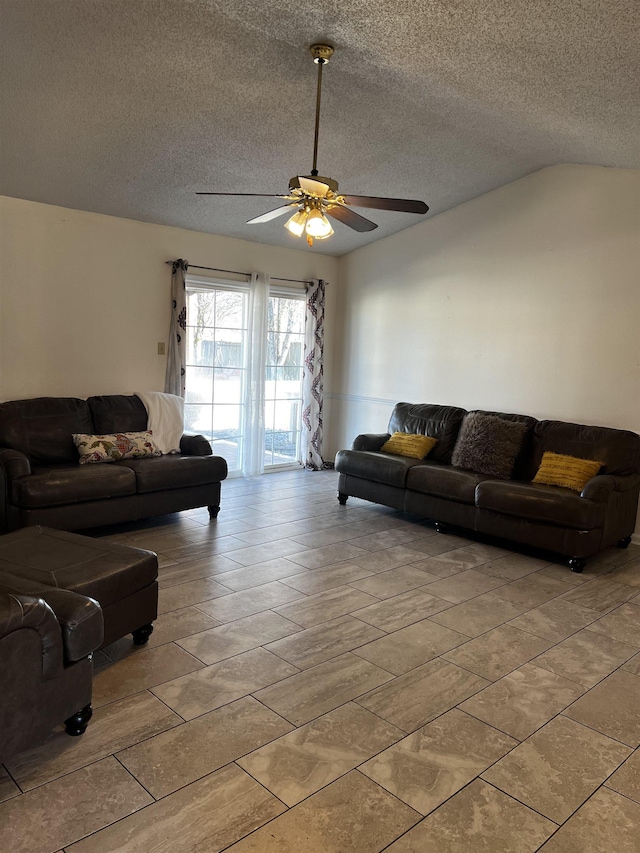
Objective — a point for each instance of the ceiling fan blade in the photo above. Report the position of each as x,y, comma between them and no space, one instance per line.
317,188
252,195
404,205
349,217
271,214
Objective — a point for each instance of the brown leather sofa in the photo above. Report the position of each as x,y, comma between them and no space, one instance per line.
42,482
46,643
555,519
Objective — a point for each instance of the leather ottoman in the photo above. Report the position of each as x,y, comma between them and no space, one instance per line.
123,580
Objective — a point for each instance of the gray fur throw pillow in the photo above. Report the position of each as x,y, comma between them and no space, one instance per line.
488,444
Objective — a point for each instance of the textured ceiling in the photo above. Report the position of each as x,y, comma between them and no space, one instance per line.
127,107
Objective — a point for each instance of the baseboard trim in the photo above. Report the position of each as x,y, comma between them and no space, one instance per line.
635,538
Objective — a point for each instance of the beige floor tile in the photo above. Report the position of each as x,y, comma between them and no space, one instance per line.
511,567
426,768
626,780
436,545
157,540
402,610
259,573
322,688
556,620
478,819
611,707
586,657
522,701
315,558
325,641
236,637
557,768
169,761
414,699
621,624
8,787
167,628
533,590
606,822
204,817
328,536
352,814
601,594
300,763
328,577
323,606
497,652
391,538
262,553
209,566
629,573
250,601
185,594
491,552
452,562
113,727
221,683
463,586
394,582
478,615
633,665
140,672
390,558
411,646
57,814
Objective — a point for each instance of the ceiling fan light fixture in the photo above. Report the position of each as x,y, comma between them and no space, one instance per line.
296,224
318,226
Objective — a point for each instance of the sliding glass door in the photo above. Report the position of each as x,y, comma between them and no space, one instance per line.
217,342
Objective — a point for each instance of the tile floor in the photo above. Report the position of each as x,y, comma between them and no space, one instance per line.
327,679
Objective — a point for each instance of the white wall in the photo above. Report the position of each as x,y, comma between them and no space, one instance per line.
526,299
85,298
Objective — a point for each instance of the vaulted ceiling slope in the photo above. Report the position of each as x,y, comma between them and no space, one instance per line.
127,107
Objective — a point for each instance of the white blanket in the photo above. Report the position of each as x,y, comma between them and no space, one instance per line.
165,419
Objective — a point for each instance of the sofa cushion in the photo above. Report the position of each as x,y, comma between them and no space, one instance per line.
117,413
441,422
117,445
617,449
409,444
42,428
568,471
445,481
488,444
377,466
549,504
71,484
174,471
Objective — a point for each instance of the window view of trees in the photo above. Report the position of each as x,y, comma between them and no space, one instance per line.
216,341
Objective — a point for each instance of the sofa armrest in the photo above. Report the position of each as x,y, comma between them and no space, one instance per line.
195,445
602,485
370,441
19,612
13,464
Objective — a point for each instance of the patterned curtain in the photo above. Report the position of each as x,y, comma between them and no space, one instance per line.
312,381
174,382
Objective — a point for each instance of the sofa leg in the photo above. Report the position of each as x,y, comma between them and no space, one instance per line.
342,498
141,635
441,527
77,724
624,543
577,564
213,511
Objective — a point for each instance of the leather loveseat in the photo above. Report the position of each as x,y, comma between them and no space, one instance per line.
42,482
575,525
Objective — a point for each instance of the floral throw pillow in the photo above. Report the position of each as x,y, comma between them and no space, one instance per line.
112,448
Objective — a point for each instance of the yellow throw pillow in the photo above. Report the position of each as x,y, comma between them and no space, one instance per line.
409,444
568,471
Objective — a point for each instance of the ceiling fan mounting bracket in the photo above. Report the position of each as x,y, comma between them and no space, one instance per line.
321,52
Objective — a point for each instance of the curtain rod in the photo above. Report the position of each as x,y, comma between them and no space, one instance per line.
237,272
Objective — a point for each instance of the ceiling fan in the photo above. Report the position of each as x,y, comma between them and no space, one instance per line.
315,198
